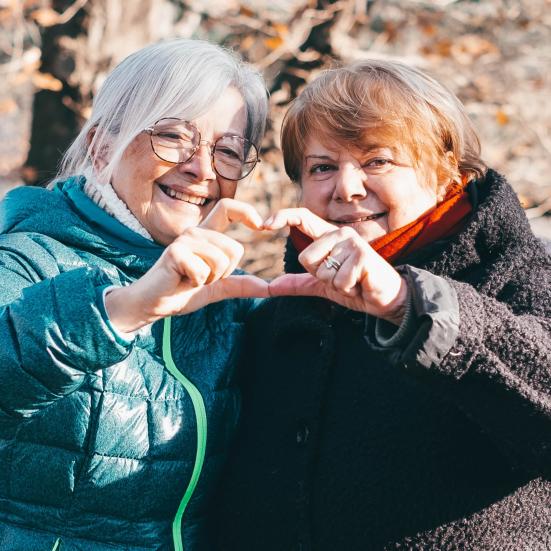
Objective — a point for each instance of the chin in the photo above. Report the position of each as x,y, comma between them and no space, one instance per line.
368,231
165,236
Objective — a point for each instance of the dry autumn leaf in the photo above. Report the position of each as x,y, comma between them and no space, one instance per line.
475,45
273,42
45,17
46,81
281,29
244,10
7,106
501,117
247,42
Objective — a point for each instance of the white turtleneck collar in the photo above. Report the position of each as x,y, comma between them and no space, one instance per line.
105,197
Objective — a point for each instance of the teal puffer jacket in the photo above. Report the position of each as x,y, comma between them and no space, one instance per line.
102,440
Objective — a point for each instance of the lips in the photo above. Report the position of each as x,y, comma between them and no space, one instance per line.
354,219
185,197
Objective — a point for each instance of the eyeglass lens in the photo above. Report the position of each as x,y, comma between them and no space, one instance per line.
177,141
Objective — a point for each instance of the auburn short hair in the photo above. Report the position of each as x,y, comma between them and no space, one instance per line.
394,102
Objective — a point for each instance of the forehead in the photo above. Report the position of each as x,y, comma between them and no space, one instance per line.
326,146
227,114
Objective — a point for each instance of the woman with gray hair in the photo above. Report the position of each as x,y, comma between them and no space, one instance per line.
113,427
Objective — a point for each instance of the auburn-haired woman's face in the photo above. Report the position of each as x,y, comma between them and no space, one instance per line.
367,190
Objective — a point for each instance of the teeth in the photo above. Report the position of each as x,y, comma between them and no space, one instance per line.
184,196
365,219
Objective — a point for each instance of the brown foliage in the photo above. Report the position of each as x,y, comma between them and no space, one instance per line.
495,54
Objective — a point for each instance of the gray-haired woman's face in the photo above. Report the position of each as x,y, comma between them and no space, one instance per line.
166,198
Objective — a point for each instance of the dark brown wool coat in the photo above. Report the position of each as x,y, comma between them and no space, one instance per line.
440,443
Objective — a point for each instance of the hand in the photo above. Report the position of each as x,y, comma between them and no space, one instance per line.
193,271
364,281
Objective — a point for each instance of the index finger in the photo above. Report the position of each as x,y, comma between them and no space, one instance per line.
308,222
227,211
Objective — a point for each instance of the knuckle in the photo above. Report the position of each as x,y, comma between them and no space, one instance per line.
363,256
239,249
346,233
303,258
193,233
225,202
174,250
201,277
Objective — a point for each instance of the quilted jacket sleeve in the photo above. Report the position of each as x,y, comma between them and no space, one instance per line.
53,330
490,356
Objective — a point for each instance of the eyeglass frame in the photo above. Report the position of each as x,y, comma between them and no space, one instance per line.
150,129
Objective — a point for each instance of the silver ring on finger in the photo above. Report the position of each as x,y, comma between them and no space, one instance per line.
332,262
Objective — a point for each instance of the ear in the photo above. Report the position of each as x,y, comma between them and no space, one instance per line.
98,152
448,174
450,156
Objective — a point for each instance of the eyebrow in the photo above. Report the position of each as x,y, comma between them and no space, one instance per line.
318,157
231,132
364,150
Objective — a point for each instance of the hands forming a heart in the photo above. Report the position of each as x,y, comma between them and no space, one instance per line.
195,270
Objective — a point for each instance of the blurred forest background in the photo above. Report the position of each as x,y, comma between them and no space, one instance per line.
495,54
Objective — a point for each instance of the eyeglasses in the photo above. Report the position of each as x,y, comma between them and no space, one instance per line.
176,141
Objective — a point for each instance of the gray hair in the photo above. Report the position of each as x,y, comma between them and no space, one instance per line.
177,78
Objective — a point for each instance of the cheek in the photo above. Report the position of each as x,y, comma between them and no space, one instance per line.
315,197
401,193
227,189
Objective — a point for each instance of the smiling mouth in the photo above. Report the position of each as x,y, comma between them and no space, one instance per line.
355,221
180,196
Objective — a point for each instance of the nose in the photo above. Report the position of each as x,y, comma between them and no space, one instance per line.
350,183
200,165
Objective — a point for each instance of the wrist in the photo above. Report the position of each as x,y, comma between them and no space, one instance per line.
396,309
124,310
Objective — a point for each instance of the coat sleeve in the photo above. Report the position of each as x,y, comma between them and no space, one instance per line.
492,357
53,329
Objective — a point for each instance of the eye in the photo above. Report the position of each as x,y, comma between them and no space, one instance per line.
379,163
228,152
172,136
321,168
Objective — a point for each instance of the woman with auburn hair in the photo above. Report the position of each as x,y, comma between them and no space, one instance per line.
404,401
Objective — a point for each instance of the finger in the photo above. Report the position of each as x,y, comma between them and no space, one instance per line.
339,244
308,222
200,241
245,286
325,273
297,285
348,276
227,211
232,287
183,252
188,265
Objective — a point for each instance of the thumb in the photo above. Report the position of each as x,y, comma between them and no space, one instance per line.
227,211
297,285
245,286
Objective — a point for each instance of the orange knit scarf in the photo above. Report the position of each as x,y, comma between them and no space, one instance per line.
445,220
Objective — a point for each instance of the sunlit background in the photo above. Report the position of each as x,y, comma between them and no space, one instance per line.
495,54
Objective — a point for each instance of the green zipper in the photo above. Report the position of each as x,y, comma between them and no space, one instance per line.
201,419
57,544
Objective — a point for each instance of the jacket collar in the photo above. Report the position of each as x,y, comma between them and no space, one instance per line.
67,215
